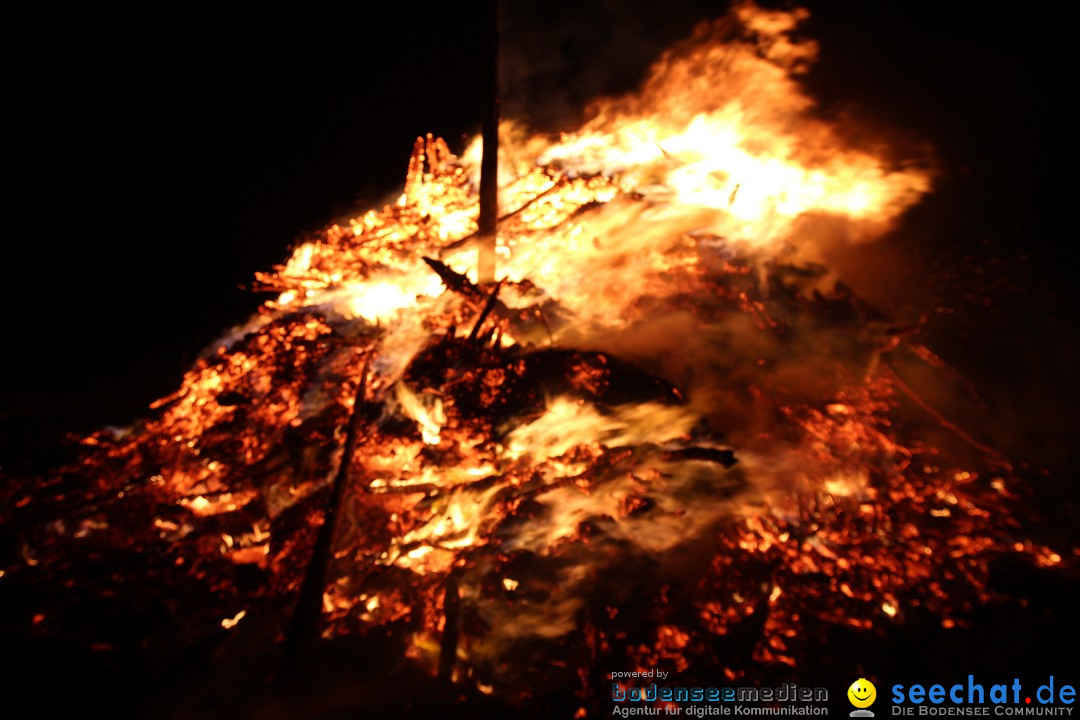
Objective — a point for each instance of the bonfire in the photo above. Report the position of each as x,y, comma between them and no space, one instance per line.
665,435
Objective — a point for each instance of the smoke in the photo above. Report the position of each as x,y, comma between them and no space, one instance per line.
556,58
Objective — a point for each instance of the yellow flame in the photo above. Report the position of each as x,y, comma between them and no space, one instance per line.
427,412
229,623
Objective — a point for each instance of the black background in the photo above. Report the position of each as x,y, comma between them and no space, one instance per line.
158,157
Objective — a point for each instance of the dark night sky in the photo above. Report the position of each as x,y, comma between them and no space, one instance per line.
161,156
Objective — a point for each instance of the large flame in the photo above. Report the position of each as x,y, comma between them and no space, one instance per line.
757,444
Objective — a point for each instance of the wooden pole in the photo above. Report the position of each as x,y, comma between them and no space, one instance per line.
489,163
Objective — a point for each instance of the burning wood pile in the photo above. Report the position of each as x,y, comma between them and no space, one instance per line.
665,429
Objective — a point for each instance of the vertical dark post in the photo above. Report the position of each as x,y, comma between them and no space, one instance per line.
489,163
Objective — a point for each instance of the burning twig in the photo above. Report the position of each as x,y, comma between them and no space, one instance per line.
488,307
462,241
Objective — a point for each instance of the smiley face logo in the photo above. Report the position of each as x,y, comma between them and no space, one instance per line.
862,693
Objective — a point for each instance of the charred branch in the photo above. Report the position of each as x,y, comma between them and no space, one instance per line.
306,616
488,307
454,281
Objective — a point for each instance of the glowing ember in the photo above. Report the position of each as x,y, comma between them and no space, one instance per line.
661,381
